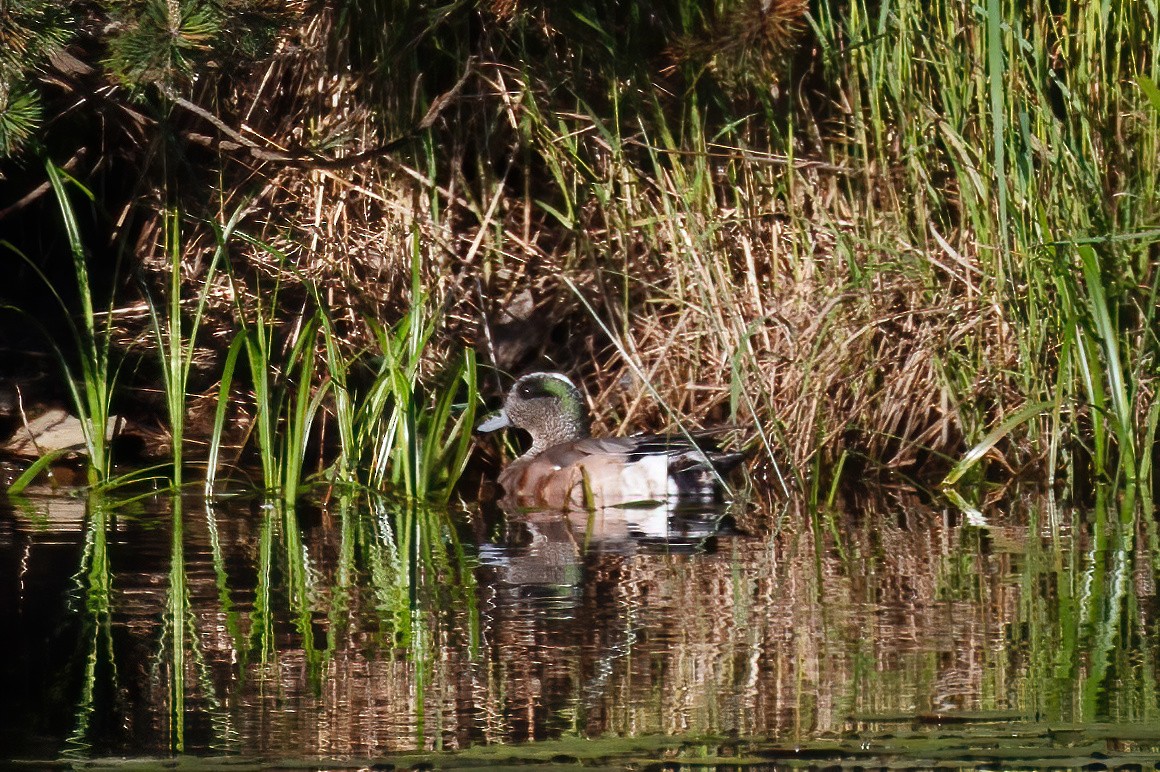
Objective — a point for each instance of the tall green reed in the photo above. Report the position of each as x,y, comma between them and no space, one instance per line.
286,394
93,399
1045,134
392,432
175,344
90,383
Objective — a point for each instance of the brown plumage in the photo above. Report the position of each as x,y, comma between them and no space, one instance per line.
566,468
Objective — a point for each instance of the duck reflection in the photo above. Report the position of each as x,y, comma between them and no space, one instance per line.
543,552
571,598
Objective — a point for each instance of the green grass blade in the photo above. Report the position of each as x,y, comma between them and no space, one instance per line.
1110,343
219,418
1148,86
996,78
976,453
30,474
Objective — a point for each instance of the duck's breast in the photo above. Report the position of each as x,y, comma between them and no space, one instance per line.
537,482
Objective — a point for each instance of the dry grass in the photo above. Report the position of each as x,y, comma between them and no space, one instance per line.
734,307
846,298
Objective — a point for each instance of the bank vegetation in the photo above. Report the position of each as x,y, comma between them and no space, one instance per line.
879,238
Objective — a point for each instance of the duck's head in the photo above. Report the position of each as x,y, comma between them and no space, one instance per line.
547,406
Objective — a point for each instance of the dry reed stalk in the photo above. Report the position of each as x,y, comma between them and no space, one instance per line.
708,265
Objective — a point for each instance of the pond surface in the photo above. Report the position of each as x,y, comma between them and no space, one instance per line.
365,628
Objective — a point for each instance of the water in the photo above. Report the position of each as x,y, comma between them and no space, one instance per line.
366,628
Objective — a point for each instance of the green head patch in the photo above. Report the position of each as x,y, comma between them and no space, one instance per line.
546,385
560,398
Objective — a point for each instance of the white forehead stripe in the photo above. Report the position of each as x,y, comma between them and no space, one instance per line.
560,377
554,376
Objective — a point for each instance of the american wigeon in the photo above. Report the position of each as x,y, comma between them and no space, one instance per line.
566,467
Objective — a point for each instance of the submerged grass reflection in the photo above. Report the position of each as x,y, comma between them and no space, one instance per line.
1081,645
93,586
372,625
266,615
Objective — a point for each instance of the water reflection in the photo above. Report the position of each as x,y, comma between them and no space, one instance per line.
368,626
547,549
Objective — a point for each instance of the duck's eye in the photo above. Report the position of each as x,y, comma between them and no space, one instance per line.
529,391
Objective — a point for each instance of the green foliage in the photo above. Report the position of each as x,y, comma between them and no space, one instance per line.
30,32
176,342
88,372
169,42
286,394
1013,125
392,432
21,114
165,43
161,41
34,470
92,388
421,441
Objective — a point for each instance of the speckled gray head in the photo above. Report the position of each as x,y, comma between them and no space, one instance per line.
547,406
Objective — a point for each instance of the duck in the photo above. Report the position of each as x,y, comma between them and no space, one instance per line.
567,468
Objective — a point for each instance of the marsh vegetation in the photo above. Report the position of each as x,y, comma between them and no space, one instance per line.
281,254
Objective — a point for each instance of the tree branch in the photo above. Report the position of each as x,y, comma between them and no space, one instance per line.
306,158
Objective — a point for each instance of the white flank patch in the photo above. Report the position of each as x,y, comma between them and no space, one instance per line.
647,479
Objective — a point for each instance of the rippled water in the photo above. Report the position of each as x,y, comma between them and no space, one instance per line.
364,628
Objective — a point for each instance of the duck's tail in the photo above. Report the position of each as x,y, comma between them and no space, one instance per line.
698,473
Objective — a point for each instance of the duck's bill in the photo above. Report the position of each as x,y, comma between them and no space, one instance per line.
497,420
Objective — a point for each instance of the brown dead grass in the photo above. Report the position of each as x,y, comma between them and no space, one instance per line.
739,286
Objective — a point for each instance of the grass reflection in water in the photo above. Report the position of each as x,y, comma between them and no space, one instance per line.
370,627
